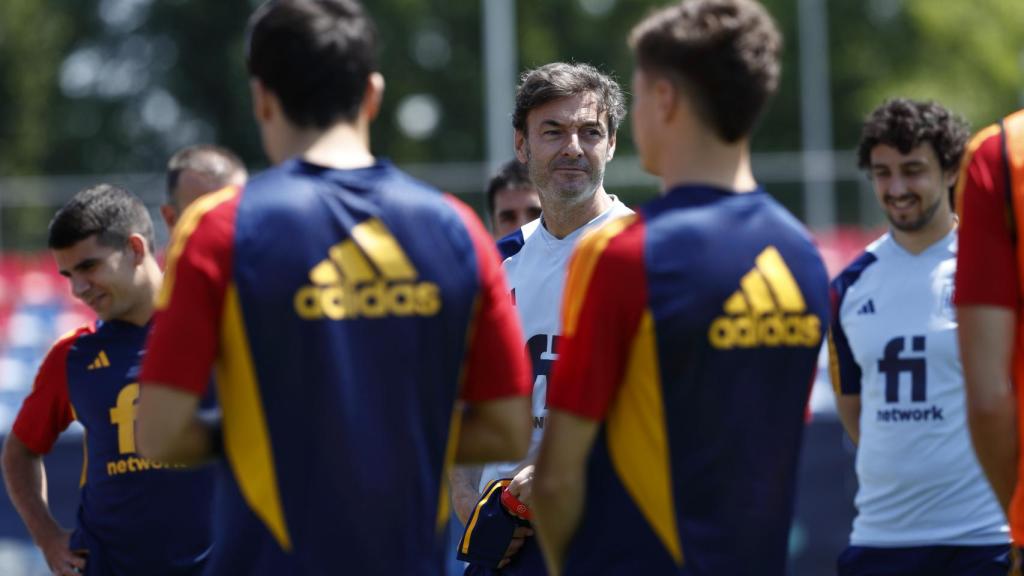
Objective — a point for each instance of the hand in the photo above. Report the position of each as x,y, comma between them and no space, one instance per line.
522,486
59,557
518,539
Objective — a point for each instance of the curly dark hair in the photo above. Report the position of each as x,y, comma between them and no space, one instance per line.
723,54
904,124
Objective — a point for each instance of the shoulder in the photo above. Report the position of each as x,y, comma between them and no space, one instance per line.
513,243
853,272
58,354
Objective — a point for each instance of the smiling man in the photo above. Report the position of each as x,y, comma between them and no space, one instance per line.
565,120
102,241
923,505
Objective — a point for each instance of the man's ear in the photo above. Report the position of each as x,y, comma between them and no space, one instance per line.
521,144
170,215
373,96
137,245
666,98
611,146
264,103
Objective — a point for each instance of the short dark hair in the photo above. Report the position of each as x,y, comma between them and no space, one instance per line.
562,80
110,213
316,56
724,54
904,124
216,162
513,175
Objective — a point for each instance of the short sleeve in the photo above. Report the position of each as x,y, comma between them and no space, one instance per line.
843,368
46,411
496,364
605,298
184,341
986,266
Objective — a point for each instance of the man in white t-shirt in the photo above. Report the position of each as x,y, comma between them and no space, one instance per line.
923,505
565,122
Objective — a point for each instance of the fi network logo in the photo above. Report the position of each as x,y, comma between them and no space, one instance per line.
366,276
767,310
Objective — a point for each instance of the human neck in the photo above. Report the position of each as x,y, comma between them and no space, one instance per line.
142,312
705,159
562,218
920,240
342,146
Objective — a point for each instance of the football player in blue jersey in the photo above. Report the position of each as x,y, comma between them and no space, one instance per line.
923,505
136,516
357,318
690,330
566,120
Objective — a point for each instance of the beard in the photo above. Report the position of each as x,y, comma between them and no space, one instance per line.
918,223
566,191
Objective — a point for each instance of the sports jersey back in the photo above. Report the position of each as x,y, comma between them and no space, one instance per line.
346,319
895,344
692,333
536,278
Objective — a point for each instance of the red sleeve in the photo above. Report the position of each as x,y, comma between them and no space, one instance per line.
184,340
605,298
986,266
47,411
496,364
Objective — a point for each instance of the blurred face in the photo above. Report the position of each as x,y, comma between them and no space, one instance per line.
911,188
514,207
192,185
565,147
108,280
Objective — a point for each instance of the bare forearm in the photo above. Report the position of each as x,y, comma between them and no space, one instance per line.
986,339
464,481
494,431
170,430
558,508
25,479
848,408
994,436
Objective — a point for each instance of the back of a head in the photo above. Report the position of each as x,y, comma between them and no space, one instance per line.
513,175
108,212
904,124
562,80
315,56
723,54
221,166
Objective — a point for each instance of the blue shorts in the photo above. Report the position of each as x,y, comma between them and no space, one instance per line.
925,561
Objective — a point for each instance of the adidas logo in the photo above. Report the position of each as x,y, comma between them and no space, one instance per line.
767,310
101,361
366,276
867,308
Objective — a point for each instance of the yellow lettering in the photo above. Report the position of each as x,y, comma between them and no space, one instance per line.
307,303
111,468
428,299
370,301
122,467
332,301
122,415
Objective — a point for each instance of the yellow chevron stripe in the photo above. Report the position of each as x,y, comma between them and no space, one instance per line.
756,289
103,360
374,238
787,293
350,260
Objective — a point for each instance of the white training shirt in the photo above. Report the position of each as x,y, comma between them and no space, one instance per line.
536,277
895,343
